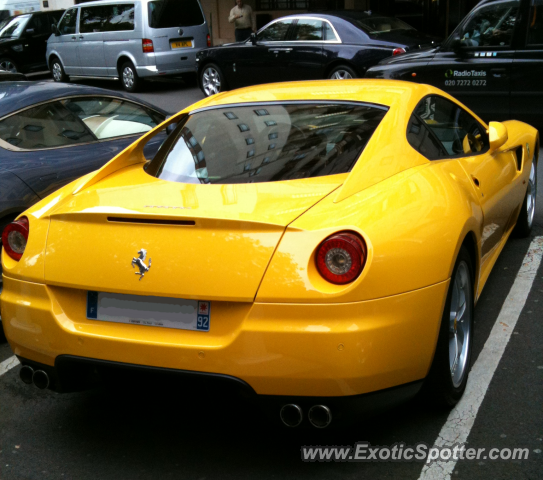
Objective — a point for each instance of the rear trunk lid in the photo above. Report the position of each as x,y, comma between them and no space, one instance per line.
201,242
177,28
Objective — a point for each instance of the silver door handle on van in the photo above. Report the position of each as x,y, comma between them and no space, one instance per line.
74,38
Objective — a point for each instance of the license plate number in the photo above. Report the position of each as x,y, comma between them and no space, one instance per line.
182,44
163,312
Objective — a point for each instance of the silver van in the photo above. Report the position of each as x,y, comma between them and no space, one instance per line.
128,40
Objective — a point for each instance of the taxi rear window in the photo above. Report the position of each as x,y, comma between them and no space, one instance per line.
266,143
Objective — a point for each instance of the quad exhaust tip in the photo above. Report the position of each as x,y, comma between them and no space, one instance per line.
38,377
25,374
319,416
291,415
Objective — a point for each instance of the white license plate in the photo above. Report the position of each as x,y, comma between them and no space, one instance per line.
151,311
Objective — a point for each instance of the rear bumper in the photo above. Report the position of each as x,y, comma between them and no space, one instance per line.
329,350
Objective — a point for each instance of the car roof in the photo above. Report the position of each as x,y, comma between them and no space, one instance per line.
18,95
106,2
381,92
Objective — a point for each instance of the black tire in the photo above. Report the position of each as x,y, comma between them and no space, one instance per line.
525,219
342,72
57,71
129,77
439,385
8,64
212,79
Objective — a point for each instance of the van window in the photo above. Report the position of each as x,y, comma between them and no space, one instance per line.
92,19
68,22
175,13
119,18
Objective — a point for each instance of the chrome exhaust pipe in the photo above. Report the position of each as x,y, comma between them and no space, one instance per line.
25,374
319,416
291,415
40,379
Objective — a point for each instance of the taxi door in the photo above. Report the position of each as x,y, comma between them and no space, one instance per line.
526,84
474,64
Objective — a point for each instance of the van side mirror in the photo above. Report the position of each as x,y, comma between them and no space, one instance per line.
497,135
55,29
253,38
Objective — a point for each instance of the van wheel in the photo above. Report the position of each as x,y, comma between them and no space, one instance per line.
8,65
448,375
342,72
212,80
129,77
57,71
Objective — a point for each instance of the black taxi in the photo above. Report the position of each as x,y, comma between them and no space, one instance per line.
492,62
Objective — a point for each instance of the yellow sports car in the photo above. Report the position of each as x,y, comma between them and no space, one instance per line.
319,244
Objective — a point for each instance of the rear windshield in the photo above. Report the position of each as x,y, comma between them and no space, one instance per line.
375,25
175,13
266,143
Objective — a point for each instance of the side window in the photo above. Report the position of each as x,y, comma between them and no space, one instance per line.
37,25
54,17
68,22
535,24
119,18
276,32
491,25
456,130
111,117
422,140
49,125
92,19
329,33
307,29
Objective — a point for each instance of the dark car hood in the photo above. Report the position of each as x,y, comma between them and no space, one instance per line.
410,38
425,54
8,40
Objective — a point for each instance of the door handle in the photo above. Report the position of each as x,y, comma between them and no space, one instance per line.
74,38
277,50
498,72
81,38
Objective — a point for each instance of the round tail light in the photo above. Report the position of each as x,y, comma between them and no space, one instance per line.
398,51
341,257
14,238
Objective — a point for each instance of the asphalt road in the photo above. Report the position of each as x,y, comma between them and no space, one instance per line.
142,433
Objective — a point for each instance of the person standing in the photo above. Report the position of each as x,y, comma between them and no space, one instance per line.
242,18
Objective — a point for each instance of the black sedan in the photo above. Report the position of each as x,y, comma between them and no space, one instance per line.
492,62
307,47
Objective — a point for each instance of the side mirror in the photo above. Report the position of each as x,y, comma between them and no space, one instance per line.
29,31
55,30
253,38
455,43
497,133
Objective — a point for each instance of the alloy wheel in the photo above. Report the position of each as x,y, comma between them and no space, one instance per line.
460,324
211,81
128,77
57,72
341,75
8,66
531,194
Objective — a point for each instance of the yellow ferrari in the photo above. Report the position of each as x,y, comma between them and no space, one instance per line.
317,244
